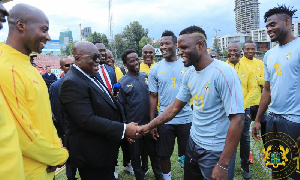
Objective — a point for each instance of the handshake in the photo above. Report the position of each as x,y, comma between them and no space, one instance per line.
134,131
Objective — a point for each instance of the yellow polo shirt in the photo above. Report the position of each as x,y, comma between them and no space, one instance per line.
11,162
28,98
145,68
258,68
119,73
248,82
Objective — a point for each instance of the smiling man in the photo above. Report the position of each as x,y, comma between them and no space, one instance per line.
164,83
134,97
281,93
148,53
217,113
27,94
249,85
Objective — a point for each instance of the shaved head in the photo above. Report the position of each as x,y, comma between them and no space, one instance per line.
26,13
148,46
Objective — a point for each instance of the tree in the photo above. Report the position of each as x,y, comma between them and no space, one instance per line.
249,38
98,37
133,33
69,49
156,44
121,45
144,41
216,45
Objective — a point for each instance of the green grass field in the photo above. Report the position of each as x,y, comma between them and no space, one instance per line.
177,171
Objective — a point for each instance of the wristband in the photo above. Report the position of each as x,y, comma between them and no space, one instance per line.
226,169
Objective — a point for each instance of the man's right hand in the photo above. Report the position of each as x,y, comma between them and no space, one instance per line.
132,130
154,133
255,131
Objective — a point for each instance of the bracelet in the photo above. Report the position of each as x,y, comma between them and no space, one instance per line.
226,169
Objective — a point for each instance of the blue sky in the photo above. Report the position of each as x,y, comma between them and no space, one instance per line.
155,15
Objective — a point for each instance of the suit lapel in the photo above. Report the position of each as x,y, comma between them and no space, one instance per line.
93,85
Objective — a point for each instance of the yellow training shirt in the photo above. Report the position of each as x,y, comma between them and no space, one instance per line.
11,162
248,82
258,68
145,68
28,98
119,73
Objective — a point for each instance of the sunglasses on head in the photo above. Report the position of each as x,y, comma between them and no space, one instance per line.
68,65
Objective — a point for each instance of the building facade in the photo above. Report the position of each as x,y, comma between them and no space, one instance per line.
65,37
224,41
85,32
246,15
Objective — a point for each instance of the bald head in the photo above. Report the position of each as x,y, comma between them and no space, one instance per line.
26,13
83,47
86,57
213,54
66,64
28,29
234,52
148,53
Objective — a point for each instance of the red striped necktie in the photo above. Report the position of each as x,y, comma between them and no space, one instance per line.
106,79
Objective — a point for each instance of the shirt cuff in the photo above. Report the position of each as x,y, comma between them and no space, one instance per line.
124,131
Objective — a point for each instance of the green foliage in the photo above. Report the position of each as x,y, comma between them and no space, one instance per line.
156,44
133,33
216,45
97,37
69,49
121,45
249,38
144,41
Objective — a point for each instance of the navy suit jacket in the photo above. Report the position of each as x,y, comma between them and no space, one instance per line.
111,73
49,79
60,123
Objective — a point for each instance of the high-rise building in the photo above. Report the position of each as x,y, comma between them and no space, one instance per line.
65,37
296,29
246,15
85,32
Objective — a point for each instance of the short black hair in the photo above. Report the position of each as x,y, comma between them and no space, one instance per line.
125,54
281,9
194,29
97,42
170,33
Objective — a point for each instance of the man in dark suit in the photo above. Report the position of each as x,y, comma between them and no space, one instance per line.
94,117
49,77
106,73
59,120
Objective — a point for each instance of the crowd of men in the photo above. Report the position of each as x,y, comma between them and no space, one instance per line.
96,107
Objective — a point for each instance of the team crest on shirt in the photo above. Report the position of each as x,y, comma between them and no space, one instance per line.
206,87
146,81
259,68
243,75
288,56
163,73
270,59
182,71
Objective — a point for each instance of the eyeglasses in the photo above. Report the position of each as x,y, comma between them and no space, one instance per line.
94,57
68,65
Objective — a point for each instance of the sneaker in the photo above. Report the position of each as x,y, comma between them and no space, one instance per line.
181,161
246,175
129,169
116,172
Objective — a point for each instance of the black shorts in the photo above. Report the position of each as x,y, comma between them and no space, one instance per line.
167,134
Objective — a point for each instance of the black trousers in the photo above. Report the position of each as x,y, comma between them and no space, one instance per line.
105,173
148,144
